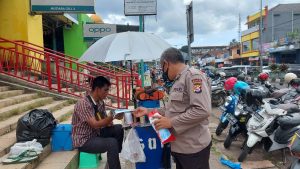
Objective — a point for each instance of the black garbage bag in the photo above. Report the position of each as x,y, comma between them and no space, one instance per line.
37,124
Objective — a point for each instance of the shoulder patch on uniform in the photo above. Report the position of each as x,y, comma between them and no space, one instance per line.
194,71
197,85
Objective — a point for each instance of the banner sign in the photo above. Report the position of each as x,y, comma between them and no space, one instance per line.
97,31
62,6
140,7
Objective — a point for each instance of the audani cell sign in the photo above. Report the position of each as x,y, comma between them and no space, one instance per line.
97,31
60,6
140,7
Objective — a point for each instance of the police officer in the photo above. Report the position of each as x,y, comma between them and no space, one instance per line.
186,113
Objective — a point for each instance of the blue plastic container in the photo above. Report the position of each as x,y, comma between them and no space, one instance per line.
149,103
152,148
62,138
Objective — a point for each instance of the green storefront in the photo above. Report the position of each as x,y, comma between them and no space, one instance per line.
74,43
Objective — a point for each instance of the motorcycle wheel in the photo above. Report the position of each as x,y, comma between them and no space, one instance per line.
218,100
228,141
244,153
220,129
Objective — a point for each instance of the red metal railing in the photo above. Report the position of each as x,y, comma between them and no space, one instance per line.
103,66
60,73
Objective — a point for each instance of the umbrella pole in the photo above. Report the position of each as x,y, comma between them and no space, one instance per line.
133,90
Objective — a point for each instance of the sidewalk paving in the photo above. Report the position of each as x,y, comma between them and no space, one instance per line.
214,162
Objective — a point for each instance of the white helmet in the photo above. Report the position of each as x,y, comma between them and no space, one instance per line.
289,76
222,74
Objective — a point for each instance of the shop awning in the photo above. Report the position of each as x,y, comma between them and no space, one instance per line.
219,60
285,48
71,17
253,58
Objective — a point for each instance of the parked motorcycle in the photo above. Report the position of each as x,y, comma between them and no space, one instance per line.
227,110
237,123
262,123
241,116
218,95
287,126
294,146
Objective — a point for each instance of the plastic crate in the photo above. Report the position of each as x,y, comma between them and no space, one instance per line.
62,138
149,103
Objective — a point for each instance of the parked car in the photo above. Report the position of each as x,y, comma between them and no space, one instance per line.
294,68
230,71
266,69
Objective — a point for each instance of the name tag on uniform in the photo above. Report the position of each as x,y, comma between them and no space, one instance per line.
197,85
178,89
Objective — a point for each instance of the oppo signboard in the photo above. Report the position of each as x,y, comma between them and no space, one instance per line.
97,31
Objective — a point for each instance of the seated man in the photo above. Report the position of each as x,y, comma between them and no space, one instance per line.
93,130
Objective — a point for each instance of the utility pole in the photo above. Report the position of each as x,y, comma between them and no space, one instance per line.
260,37
142,72
292,21
190,29
240,29
142,24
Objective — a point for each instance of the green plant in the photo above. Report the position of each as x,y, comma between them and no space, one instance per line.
283,67
273,79
294,35
273,67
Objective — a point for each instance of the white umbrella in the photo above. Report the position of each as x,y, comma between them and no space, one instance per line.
126,46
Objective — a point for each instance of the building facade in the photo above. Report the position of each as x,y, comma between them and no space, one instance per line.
250,38
235,55
63,32
210,55
280,36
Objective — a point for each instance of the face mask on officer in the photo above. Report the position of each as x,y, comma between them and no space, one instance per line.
165,74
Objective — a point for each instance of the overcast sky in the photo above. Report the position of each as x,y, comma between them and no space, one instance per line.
215,21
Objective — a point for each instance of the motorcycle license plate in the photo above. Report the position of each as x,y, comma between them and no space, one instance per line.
258,116
232,120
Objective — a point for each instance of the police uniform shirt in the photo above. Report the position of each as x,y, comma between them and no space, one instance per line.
188,107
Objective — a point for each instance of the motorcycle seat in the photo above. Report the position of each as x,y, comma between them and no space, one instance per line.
283,136
273,109
279,93
214,88
289,121
289,107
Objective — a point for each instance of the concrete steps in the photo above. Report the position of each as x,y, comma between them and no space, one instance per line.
9,139
82,94
11,123
13,105
17,99
10,93
16,109
4,88
16,103
61,160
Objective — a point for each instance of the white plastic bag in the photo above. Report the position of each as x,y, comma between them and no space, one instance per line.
132,149
32,146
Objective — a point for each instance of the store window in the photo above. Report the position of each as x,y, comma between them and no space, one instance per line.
255,44
246,46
